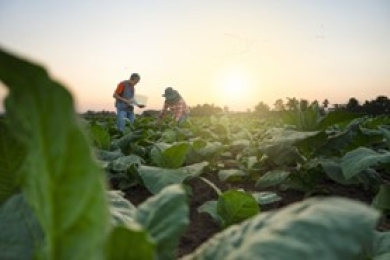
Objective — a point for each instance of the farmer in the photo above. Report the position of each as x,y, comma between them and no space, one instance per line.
124,100
176,104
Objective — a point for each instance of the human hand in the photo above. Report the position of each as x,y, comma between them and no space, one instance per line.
130,101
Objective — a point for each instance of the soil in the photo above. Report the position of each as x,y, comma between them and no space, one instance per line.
202,226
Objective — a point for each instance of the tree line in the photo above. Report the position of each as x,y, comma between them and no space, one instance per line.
374,107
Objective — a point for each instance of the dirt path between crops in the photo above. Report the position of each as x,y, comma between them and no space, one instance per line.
202,226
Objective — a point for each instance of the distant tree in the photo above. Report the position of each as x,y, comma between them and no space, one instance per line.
379,106
261,108
292,104
303,104
353,105
325,103
206,110
90,112
279,105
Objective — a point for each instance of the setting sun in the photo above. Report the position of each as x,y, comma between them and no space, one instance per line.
234,87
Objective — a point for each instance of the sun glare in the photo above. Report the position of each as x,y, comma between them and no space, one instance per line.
234,87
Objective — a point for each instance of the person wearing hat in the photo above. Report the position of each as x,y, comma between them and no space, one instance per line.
176,104
124,100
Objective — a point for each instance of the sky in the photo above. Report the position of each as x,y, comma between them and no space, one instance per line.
233,53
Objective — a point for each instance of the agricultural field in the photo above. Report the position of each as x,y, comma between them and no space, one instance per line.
222,160
302,185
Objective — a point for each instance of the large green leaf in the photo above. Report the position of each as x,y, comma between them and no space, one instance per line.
165,217
202,150
280,147
240,144
231,174
381,246
339,141
122,211
382,199
283,155
333,170
62,181
121,244
266,197
12,155
272,178
210,207
235,206
132,225
211,149
155,178
125,162
108,155
170,156
317,228
285,136
334,117
125,142
162,218
360,159
20,231
99,135
386,134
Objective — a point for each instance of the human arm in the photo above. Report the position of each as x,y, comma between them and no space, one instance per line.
162,113
128,101
118,94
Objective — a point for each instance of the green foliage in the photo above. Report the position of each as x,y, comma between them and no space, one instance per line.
120,239
165,217
313,229
380,247
232,207
12,155
64,185
272,178
235,206
205,110
360,159
150,231
99,135
386,134
41,117
21,234
382,199
311,118
170,156
231,174
202,150
156,178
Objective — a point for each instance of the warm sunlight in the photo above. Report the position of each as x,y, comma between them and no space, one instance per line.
234,87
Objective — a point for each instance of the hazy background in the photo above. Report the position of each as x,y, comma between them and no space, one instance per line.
227,53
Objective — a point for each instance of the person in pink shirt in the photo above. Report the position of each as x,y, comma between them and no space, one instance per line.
175,103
